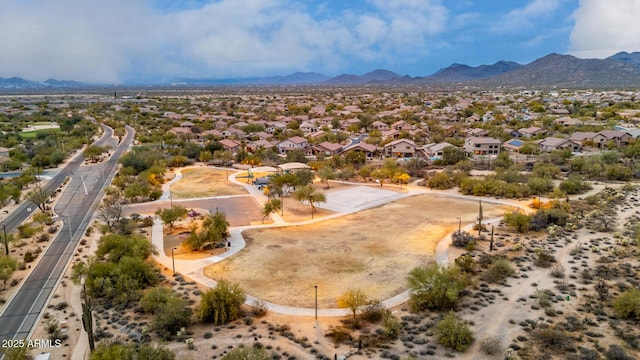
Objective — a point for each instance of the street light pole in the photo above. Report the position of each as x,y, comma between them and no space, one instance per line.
173,261
316,286
459,224
6,241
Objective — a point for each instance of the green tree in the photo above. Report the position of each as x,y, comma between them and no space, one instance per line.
627,304
436,288
453,332
518,221
354,300
221,304
452,155
271,206
115,247
171,215
325,174
170,311
311,195
94,151
215,230
110,209
8,266
39,197
440,181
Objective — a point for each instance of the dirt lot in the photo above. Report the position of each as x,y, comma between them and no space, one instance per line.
205,182
372,250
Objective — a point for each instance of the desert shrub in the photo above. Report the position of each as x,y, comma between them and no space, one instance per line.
602,289
574,185
490,346
433,287
461,239
544,258
259,308
221,304
131,352
617,352
440,181
552,338
453,332
544,297
627,304
373,311
147,222
391,326
43,238
545,217
518,221
338,334
26,231
29,257
466,264
557,271
499,269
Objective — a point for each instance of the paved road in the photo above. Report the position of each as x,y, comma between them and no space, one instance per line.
76,205
20,214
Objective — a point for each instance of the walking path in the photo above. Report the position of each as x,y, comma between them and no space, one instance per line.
365,197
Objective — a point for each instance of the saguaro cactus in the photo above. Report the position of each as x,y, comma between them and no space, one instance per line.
480,217
87,319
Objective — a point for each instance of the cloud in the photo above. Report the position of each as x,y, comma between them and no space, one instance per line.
603,28
110,41
524,18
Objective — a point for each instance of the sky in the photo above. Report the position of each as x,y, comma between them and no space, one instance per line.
119,41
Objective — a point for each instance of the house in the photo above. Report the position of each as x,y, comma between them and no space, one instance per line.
481,146
401,148
434,151
513,145
308,128
232,133
213,133
586,137
554,143
327,148
477,132
368,149
259,144
292,143
379,125
401,125
488,117
617,136
275,126
532,131
391,134
230,145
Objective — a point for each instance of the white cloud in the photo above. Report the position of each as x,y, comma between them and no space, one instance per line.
523,18
603,28
110,41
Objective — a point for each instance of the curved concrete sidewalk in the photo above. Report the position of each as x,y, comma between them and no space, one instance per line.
194,269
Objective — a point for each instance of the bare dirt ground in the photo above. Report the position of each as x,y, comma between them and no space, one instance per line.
205,182
372,250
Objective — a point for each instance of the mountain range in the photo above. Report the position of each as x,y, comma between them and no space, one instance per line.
619,70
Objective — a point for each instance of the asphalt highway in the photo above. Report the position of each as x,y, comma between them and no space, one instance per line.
76,206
